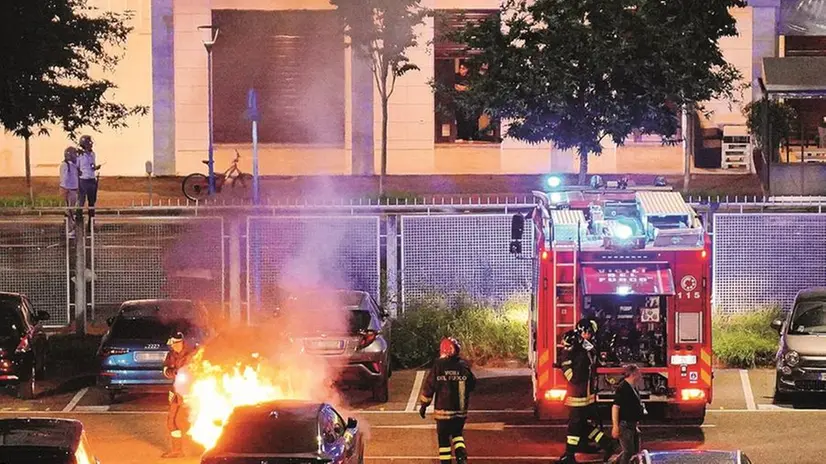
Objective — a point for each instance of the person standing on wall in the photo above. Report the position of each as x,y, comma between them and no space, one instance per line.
626,414
69,185
88,185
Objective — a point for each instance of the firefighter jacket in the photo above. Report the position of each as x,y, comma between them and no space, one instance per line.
173,362
578,367
451,381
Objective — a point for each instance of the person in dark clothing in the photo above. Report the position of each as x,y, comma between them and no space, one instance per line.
578,367
626,414
466,124
177,422
451,382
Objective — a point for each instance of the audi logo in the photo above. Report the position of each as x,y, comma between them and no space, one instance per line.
153,346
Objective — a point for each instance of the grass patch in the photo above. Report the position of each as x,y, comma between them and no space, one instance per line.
487,334
746,340
23,201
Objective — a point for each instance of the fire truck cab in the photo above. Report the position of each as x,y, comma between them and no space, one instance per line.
637,261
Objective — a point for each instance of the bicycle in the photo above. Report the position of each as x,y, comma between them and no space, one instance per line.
196,186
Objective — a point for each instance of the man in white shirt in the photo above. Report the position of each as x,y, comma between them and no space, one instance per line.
69,185
88,185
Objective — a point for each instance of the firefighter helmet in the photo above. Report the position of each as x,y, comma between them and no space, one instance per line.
176,337
587,325
569,340
449,347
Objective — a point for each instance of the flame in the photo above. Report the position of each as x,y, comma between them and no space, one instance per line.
212,391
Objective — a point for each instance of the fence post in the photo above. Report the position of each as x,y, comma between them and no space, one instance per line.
235,271
80,275
392,273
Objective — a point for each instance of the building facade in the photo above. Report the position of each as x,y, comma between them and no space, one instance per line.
320,113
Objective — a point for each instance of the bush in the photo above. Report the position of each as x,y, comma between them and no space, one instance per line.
487,334
746,340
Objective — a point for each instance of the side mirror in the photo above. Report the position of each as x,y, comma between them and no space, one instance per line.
43,316
352,423
110,320
777,324
517,227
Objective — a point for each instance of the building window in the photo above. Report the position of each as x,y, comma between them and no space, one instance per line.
295,61
452,124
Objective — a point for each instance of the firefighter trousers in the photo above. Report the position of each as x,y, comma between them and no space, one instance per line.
177,422
450,433
582,428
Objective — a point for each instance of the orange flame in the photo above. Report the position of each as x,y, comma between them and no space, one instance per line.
212,392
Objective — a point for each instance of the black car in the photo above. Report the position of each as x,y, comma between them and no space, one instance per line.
44,441
288,432
24,345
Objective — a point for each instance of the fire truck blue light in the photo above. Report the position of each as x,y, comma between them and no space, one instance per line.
623,290
554,182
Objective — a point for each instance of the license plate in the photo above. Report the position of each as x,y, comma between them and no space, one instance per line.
327,344
150,356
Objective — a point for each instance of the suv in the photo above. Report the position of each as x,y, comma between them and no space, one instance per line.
361,348
23,344
134,348
801,357
44,440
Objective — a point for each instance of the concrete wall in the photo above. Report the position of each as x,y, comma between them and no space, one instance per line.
798,179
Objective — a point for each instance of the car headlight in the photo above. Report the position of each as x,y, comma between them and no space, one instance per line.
792,358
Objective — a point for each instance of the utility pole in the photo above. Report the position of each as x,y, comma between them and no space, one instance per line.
80,275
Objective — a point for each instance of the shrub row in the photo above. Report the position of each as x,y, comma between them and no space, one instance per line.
746,340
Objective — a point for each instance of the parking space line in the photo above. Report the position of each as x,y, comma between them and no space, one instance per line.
747,392
414,393
76,399
497,426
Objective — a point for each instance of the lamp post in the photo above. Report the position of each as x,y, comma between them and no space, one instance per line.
209,36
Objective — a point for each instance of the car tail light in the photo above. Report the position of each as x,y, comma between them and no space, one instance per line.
23,346
112,351
692,394
555,395
367,337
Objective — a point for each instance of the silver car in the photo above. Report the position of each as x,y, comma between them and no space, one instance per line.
360,347
801,357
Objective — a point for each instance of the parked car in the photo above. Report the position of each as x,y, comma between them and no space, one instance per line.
288,432
691,457
360,346
44,440
133,350
801,357
24,346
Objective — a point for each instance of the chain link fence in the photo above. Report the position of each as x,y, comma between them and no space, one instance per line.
34,260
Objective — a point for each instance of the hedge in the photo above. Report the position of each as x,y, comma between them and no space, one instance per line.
746,340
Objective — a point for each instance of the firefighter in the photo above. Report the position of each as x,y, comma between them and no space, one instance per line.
451,381
578,367
176,420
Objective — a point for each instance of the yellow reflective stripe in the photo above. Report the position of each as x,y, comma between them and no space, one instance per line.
573,440
569,374
176,434
461,395
567,363
445,458
579,401
593,434
599,437
458,439
444,450
459,445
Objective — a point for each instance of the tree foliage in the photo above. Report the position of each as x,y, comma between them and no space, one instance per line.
52,51
574,72
382,31
782,121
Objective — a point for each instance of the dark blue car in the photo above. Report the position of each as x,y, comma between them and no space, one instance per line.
134,348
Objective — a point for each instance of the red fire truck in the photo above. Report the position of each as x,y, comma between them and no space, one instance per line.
636,260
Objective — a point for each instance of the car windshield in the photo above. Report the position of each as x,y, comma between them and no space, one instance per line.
809,318
10,323
150,328
269,437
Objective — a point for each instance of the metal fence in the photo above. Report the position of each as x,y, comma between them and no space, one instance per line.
157,257
34,260
463,256
763,259
307,251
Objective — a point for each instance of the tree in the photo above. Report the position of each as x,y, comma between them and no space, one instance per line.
382,31
51,50
573,72
782,119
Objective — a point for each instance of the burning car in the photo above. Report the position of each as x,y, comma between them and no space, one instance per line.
295,432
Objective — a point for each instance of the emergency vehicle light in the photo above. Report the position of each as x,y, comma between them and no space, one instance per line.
687,359
555,395
554,181
691,394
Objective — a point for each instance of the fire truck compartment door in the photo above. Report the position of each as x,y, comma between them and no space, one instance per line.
627,279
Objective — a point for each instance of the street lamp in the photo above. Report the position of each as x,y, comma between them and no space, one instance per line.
209,34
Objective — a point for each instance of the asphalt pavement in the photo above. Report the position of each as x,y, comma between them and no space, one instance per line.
501,426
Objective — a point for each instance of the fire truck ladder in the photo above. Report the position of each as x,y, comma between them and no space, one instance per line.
565,295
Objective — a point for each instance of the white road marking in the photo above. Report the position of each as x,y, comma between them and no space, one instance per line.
414,393
103,408
75,399
747,392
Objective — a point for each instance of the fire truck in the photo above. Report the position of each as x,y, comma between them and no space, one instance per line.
637,260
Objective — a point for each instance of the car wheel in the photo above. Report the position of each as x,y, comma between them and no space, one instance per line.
381,390
27,388
41,371
112,396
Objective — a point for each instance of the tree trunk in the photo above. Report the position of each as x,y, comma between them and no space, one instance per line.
583,168
384,111
29,170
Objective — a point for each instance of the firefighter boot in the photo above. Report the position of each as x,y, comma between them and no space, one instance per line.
176,449
610,447
567,459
